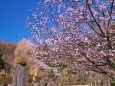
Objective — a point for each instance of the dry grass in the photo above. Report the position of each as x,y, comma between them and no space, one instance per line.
5,79
8,79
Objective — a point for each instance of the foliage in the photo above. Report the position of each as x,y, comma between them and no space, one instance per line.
36,75
21,61
24,49
1,55
2,62
7,49
78,33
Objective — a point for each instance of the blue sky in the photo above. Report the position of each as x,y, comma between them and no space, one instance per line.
13,14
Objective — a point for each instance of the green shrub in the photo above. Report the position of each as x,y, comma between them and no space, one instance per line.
2,62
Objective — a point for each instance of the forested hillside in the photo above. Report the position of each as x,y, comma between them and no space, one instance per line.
7,49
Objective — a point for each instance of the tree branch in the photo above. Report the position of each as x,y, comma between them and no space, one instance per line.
94,18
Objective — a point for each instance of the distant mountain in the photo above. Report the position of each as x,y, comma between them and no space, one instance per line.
7,49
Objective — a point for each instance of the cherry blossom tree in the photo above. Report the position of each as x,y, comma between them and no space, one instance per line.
79,34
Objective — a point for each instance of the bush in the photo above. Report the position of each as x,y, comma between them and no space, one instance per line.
2,62
22,61
113,84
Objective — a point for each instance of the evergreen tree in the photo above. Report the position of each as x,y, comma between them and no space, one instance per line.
2,62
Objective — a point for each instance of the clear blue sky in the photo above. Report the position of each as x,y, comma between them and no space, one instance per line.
13,14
